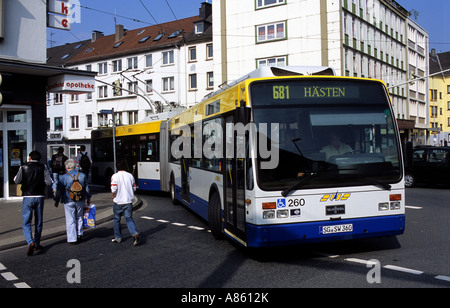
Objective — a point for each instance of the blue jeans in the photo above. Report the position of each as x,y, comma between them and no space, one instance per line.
32,205
74,219
127,211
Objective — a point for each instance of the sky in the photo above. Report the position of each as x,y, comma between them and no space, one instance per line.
101,15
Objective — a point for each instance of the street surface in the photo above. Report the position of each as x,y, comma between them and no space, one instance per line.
178,251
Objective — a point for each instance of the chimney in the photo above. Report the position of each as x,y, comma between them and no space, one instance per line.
95,35
119,32
205,10
433,53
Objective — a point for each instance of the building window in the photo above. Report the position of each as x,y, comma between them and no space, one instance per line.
193,82
89,120
132,88
132,117
132,63
199,27
210,80
117,65
168,57
277,61
58,98
209,51
168,84
103,68
74,122
102,91
192,54
267,3
271,32
148,60
58,123
149,86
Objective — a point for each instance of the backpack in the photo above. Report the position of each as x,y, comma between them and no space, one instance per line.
76,190
85,162
58,163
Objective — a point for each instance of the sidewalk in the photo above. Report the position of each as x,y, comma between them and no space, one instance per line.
11,234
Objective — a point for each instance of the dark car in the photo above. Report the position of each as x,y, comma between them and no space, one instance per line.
428,165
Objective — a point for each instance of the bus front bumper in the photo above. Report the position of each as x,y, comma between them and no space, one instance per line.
324,231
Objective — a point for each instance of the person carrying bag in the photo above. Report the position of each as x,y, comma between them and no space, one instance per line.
72,189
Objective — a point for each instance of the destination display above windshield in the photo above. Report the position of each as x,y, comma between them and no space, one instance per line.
316,91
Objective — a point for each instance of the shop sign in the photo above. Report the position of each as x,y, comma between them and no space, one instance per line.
71,84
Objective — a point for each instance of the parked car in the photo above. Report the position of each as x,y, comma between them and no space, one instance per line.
428,165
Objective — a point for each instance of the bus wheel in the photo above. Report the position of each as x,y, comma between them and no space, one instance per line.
410,180
172,192
215,216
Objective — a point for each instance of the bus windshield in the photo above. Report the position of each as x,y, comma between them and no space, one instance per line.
332,133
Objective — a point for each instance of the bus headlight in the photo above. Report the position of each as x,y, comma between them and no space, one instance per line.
395,205
269,214
384,206
282,213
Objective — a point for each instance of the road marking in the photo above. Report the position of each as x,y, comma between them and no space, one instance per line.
196,228
413,207
178,224
360,261
9,276
163,221
442,277
2,267
403,269
22,285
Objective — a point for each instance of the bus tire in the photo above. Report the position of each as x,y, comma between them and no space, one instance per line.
173,196
215,216
410,180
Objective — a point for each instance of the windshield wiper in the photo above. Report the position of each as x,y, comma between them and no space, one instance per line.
303,179
385,186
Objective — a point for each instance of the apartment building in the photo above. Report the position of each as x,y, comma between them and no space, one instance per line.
360,38
439,99
140,72
418,98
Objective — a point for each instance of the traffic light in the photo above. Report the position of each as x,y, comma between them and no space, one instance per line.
6,94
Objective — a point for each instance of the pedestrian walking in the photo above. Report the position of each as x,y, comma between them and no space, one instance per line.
33,176
123,187
75,199
84,160
57,164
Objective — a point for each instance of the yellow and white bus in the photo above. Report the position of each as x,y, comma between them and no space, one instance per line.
140,145
289,156
281,156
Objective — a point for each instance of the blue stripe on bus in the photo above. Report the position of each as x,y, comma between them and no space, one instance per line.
197,204
147,184
300,233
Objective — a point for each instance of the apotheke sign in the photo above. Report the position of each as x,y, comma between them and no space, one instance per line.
71,84
61,14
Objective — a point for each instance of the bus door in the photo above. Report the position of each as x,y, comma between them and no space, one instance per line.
234,188
185,163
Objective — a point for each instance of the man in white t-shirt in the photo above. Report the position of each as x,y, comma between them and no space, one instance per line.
123,187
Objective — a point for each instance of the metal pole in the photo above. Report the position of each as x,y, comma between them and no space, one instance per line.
114,139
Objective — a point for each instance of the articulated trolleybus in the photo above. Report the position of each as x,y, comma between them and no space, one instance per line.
291,155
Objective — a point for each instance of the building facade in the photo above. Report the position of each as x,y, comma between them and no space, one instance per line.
358,38
140,72
23,87
439,98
